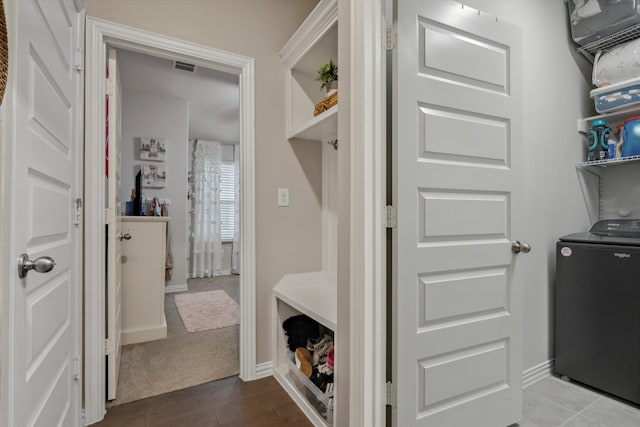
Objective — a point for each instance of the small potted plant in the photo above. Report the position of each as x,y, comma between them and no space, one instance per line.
328,75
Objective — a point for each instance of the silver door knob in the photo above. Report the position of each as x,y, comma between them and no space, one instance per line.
126,236
517,247
44,264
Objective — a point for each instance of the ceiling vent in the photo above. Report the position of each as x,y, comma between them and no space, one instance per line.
179,65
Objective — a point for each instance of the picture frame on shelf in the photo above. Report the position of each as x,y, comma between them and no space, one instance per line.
153,149
154,176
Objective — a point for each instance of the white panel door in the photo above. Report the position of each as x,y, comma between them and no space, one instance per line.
114,226
457,181
44,331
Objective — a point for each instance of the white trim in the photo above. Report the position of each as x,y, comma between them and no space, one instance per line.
367,373
135,336
322,18
172,289
537,373
78,238
98,33
264,370
7,152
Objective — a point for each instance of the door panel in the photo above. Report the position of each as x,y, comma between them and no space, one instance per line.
44,386
457,178
114,265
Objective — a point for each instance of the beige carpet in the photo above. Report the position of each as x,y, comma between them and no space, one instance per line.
183,359
201,311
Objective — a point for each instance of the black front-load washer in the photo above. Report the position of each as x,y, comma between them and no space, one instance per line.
597,307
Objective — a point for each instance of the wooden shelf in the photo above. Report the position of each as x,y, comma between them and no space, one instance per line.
319,127
313,294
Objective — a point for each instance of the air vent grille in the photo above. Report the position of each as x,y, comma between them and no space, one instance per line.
184,66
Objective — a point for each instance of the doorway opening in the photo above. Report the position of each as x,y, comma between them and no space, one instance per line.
173,115
101,34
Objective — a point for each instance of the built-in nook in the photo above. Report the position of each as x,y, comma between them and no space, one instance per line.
311,294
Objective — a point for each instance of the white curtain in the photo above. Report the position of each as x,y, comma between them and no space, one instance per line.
207,245
235,255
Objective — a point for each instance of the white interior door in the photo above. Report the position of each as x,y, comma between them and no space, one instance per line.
114,233
44,327
457,171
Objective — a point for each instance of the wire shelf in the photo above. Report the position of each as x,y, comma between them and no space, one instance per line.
610,162
589,50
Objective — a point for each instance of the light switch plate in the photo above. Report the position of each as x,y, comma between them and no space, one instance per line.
283,197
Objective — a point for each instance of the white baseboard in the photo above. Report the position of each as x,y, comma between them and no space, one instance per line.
536,373
171,289
134,336
264,370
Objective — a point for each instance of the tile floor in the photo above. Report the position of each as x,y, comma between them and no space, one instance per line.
553,402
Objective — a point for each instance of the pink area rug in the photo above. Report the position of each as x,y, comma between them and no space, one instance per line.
202,311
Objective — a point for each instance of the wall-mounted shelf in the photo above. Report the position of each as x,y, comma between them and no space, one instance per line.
315,43
319,127
614,118
609,162
610,187
589,50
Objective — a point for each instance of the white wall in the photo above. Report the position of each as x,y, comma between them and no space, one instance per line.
146,115
556,94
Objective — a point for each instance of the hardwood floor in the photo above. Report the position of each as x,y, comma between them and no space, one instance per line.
227,402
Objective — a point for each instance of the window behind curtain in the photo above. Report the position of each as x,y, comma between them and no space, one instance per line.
227,199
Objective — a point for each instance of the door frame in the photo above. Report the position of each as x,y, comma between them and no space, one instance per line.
365,309
99,33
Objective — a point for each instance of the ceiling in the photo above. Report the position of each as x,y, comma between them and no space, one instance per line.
213,96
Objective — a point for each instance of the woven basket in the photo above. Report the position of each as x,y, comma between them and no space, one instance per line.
326,103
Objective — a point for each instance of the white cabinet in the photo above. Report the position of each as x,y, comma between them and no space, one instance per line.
143,273
314,293
610,187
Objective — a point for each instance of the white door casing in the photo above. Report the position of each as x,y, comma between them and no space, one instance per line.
114,225
43,371
99,33
457,100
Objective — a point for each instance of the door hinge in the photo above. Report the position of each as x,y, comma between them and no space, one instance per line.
391,394
109,348
79,60
391,39
390,217
77,215
76,369
110,87
109,216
